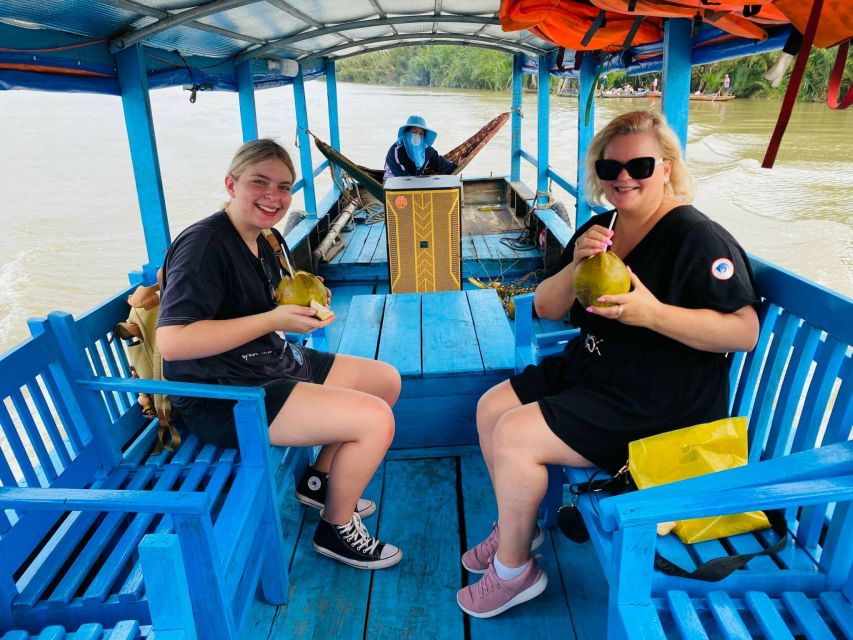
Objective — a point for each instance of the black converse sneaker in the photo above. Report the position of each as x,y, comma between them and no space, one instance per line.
311,491
351,544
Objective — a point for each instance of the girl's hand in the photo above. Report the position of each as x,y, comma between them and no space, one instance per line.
595,240
298,319
637,308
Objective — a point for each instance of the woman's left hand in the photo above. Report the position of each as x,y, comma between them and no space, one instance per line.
637,308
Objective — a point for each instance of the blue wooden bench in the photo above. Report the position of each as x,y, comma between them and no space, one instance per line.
796,389
124,630
449,347
95,529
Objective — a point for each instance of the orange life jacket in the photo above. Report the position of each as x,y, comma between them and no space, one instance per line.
723,15
572,24
836,19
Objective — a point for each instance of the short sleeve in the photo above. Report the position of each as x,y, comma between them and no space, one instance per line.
193,286
718,274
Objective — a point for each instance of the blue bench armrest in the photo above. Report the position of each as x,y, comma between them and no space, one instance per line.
626,513
250,415
105,500
810,477
167,387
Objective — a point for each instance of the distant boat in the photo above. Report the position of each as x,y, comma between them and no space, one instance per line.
618,93
712,97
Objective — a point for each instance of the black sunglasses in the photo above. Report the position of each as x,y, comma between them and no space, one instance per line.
638,168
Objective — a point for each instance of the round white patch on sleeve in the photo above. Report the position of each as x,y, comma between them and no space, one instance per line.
722,269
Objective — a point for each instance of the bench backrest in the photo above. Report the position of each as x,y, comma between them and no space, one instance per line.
47,441
56,435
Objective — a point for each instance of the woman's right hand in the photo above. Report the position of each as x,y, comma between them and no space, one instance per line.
297,319
595,240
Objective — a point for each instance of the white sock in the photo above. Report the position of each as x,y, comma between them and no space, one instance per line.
508,573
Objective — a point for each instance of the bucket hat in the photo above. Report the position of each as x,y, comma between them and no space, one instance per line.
418,121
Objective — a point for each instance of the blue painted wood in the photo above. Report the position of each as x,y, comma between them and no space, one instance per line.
168,591
399,604
685,617
332,104
246,96
449,339
767,615
143,151
677,65
328,599
515,118
374,235
307,166
493,331
586,130
361,332
400,344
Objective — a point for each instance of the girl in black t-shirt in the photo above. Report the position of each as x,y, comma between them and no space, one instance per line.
219,323
652,362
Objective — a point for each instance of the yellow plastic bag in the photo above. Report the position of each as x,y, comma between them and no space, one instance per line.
690,452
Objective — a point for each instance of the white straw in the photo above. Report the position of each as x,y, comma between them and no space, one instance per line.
612,221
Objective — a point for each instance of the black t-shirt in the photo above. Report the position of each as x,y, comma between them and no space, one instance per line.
210,274
687,260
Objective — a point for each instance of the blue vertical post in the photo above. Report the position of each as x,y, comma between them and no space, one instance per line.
332,99
305,163
543,116
246,91
515,145
586,129
677,64
143,151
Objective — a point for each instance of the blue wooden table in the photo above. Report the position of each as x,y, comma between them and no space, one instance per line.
449,347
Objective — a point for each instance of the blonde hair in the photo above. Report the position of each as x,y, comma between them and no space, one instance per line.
680,182
256,151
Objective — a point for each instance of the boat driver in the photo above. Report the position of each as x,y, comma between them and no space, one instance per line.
412,154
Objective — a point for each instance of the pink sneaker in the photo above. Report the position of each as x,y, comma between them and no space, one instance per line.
477,559
491,595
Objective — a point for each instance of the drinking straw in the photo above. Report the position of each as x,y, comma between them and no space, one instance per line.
610,227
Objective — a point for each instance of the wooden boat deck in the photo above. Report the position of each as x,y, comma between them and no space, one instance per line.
433,504
365,254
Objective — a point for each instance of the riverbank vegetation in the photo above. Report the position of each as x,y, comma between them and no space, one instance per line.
478,68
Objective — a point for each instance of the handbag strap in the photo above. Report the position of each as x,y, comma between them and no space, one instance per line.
716,569
270,237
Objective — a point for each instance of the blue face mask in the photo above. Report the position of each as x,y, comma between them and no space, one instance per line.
415,145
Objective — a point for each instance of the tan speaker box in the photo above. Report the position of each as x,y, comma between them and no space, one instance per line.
422,217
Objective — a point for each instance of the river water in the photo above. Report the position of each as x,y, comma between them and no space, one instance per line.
69,218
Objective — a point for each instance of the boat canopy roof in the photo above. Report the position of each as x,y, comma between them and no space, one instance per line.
68,45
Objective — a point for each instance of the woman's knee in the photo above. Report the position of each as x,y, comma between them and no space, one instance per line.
377,420
490,407
508,435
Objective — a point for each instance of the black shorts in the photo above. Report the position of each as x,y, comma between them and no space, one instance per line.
212,421
597,405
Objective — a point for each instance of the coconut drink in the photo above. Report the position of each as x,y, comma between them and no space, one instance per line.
603,274
305,290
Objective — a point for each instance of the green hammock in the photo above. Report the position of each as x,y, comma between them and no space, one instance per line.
371,179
